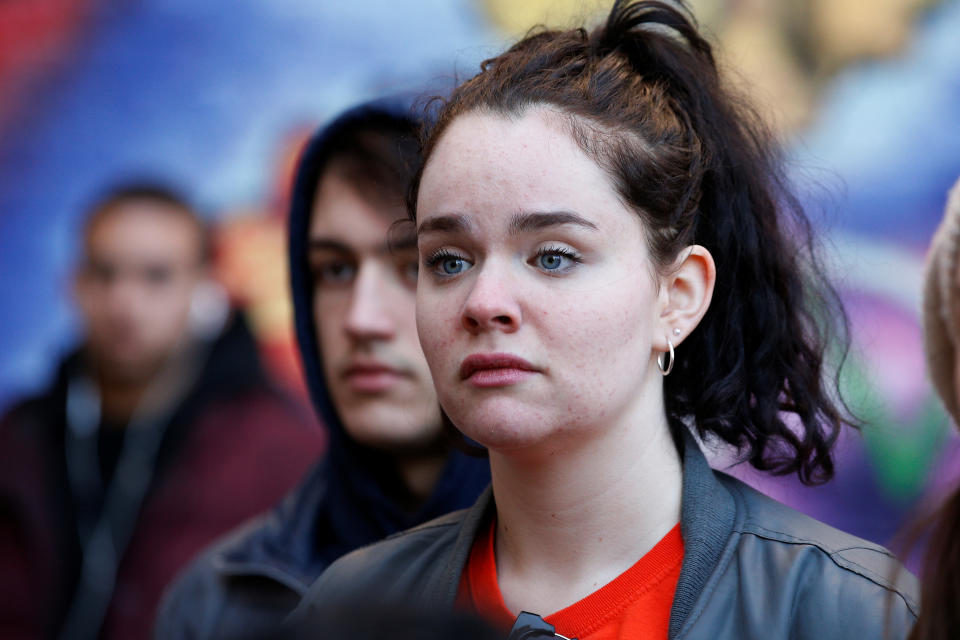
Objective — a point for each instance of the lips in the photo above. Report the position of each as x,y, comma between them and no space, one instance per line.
371,377
495,369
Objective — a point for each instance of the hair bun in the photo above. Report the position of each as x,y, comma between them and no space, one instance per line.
628,20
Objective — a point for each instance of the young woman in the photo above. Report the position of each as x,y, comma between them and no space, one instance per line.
607,267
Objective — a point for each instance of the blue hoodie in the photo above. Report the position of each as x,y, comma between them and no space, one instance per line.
255,576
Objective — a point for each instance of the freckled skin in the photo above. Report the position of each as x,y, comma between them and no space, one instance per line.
589,330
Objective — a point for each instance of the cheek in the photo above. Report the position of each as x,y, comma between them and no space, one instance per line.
401,305
427,332
607,338
612,314
164,325
327,315
437,324
408,342
174,303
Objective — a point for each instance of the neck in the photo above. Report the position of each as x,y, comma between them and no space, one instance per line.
118,402
570,522
420,474
122,398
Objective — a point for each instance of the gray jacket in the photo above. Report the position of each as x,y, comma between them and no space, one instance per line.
752,568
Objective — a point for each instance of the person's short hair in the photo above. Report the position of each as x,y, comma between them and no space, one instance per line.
109,199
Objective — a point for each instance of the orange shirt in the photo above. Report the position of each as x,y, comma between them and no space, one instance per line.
635,605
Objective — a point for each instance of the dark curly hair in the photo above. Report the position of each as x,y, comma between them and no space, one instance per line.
641,94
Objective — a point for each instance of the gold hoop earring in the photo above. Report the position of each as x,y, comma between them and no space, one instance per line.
666,369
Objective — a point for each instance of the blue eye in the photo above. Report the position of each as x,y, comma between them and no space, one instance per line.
552,261
555,259
445,263
453,266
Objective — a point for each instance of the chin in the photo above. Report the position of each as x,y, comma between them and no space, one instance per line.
125,369
379,428
504,428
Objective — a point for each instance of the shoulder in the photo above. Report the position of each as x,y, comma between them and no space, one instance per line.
40,408
213,594
824,576
407,561
413,549
190,604
195,599
31,441
247,448
766,519
261,422
27,413
258,401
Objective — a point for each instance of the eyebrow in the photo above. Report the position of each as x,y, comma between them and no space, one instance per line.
520,223
390,245
325,244
534,220
401,237
448,223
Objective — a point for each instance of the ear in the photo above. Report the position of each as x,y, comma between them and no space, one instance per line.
685,294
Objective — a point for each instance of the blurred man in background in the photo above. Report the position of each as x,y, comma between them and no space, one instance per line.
390,464
159,433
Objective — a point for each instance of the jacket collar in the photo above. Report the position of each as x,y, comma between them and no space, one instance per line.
707,515
442,586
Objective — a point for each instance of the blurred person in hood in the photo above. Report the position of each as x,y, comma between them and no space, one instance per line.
390,465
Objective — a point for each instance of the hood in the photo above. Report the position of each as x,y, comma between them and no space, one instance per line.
358,506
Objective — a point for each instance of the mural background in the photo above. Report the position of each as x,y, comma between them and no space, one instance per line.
216,97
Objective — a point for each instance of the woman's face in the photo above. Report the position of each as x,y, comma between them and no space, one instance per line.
537,302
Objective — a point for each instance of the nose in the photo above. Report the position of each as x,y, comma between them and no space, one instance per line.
493,304
123,295
369,315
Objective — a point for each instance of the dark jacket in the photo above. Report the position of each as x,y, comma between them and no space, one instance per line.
752,569
256,576
230,419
